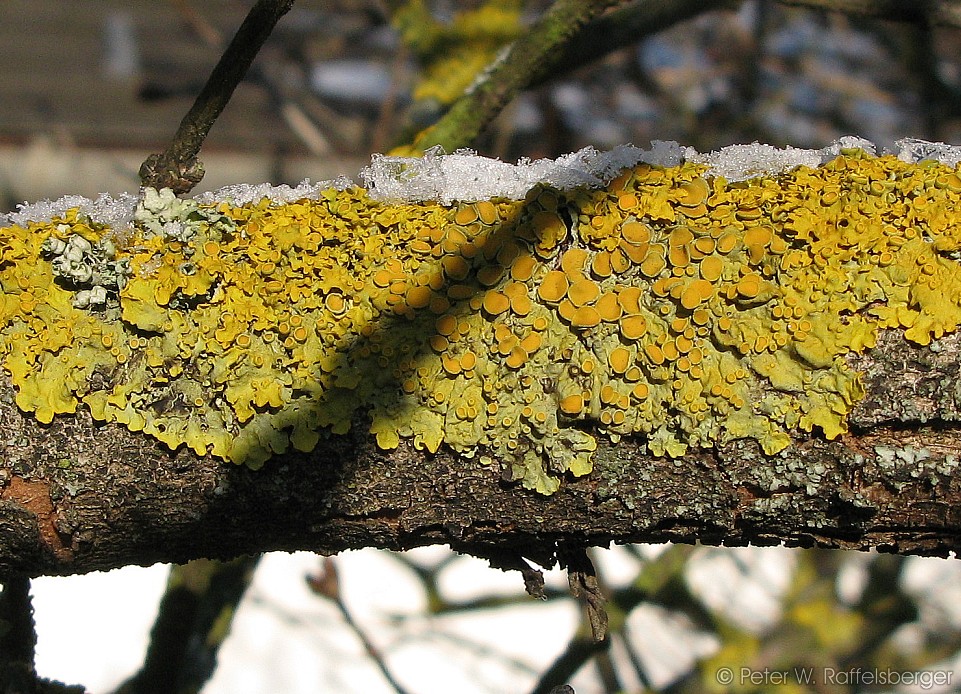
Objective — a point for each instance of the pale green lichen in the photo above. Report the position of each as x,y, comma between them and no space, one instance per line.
670,305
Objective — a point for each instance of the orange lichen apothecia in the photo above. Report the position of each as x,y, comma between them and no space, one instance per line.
671,304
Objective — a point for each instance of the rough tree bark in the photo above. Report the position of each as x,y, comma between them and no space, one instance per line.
78,496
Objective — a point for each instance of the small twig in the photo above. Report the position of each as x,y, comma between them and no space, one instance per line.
584,586
192,621
178,167
327,584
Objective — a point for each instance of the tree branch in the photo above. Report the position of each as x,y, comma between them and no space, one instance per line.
125,499
194,618
526,59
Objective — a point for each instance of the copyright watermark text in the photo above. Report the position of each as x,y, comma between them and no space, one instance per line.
854,677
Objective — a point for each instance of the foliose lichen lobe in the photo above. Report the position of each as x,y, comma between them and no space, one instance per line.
671,304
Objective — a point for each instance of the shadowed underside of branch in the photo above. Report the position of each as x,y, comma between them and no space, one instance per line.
80,496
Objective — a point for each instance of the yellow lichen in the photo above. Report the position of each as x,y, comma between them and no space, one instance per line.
662,309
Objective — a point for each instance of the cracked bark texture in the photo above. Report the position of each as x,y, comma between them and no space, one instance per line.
77,496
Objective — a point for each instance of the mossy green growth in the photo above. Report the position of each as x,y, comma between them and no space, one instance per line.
453,53
671,304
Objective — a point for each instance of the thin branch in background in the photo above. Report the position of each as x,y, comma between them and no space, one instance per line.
936,13
192,622
18,638
178,167
622,27
327,584
207,32
527,57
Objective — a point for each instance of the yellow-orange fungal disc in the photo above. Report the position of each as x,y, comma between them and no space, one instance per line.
572,262
680,237
585,317
635,253
445,325
636,233
486,212
633,327
523,267
755,254
608,307
608,394
516,358
679,256
468,361
439,343
711,268
683,344
465,215
515,289
749,286
335,303
553,287
758,236
670,351
696,292
583,292
619,360
693,193
727,242
521,304
619,262
704,245
455,267
496,303
451,366
601,264
654,353
419,297
502,332
662,286
630,300
550,230
383,278
531,343
627,202
655,262
453,240
572,404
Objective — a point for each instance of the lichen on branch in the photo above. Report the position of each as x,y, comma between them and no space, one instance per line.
670,304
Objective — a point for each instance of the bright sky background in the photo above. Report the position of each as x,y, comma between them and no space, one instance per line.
93,629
